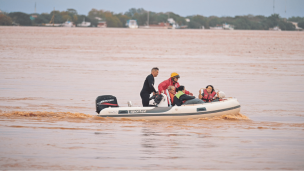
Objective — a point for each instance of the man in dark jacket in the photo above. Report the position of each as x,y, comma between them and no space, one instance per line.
180,96
148,87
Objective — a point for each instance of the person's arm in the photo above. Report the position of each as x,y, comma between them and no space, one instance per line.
217,95
188,92
200,96
186,97
151,82
162,87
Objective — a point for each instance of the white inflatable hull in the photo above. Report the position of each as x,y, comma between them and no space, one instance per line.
226,107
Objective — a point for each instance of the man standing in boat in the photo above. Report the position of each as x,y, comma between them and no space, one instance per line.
172,81
148,87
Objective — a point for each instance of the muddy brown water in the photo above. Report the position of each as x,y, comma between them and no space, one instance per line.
50,77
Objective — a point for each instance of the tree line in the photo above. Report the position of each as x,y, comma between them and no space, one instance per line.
246,22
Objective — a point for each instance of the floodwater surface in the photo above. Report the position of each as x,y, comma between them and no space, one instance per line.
50,78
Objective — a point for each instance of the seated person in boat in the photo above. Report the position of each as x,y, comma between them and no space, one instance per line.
182,98
171,90
208,94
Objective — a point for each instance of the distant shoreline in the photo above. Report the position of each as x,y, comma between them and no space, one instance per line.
70,18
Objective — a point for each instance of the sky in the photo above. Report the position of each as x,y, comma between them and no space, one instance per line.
181,7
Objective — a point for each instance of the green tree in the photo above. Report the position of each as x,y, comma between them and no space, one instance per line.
80,19
75,19
66,16
286,26
213,21
301,24
43,18
158,17
112,21
273,20
290,26
194,24
73,15
296,19
198,21
123,19
133,11
57,17
21,18
177,18
95,16
5,20
141,18
72,11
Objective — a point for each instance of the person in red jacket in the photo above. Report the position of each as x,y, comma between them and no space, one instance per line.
172,81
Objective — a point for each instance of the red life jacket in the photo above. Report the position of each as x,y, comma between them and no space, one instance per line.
208,97
171,97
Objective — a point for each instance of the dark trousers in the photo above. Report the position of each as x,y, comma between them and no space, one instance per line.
145,98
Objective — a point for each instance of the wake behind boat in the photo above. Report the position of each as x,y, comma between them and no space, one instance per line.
107,106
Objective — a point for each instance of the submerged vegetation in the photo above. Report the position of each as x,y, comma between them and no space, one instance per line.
247,22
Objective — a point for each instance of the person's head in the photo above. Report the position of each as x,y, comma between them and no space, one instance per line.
175,77
181,88
209,88
171,89
154,71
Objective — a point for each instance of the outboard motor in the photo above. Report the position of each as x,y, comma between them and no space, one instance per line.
105,102
159,100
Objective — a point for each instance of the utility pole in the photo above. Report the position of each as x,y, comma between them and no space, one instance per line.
273,6
285,9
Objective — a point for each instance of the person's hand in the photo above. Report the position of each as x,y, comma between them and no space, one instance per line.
218,95
200,91
162,91
153,93
190,94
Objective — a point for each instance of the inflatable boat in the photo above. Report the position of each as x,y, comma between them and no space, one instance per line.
107,106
